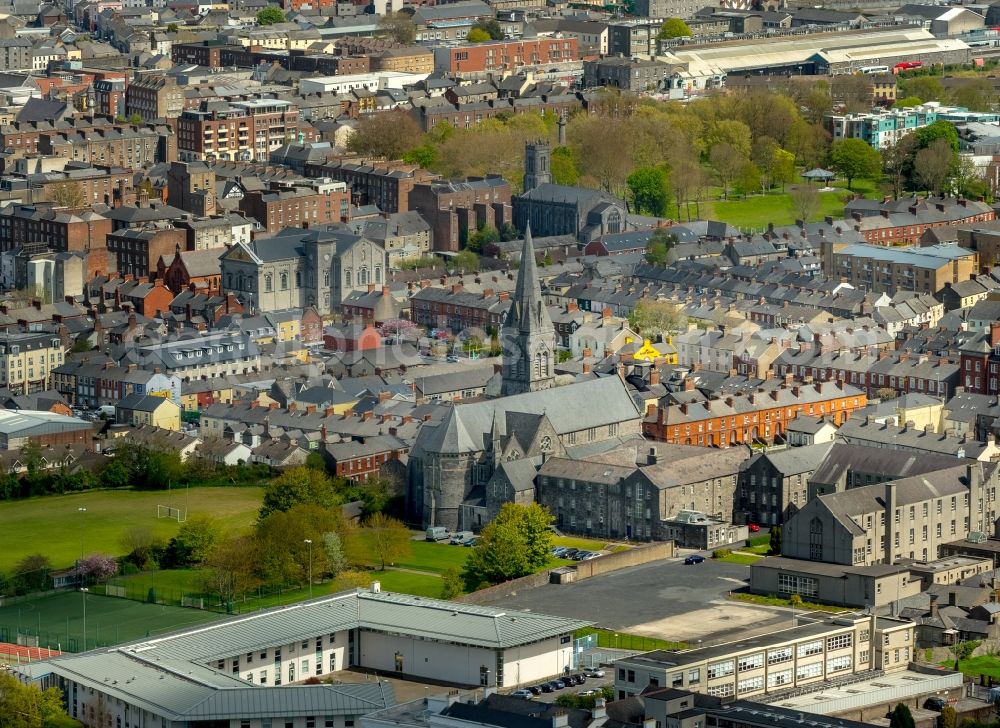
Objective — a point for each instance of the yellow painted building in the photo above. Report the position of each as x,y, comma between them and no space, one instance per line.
144,409
27,360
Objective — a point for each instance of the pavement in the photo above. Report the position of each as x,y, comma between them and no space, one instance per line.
665,599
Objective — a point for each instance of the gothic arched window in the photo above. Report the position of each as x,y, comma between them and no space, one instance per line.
378,274
267,283
284,281
326,278
816,539
363,277
347,278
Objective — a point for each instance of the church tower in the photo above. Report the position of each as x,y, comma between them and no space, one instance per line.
537,169
528,336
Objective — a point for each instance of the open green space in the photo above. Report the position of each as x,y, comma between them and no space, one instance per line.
988,665
762,549
738,558
756,211
54,526
58,620
587,544
621,641
436,557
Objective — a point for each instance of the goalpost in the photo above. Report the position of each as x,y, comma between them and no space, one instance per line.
177,514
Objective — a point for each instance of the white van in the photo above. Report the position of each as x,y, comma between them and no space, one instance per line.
460,537
437,533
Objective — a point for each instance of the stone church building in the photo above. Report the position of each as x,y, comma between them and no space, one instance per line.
552,209
302,267
453,462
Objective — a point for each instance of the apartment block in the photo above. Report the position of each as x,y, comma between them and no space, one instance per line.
154,97
298,206
505,55
60,230
241,130
891,270
27,361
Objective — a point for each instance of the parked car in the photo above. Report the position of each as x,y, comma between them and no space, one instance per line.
558,684
526,694
694,559
935,703
569,553
547,687
471,542
453,359
754,528
593,672
579,678
460,537
534,690
437,533
591,555
558,551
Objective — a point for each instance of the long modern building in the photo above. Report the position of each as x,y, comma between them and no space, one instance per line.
249,671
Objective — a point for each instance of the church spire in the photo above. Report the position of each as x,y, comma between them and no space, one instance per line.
528,336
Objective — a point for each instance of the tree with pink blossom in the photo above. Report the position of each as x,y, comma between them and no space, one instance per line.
97,568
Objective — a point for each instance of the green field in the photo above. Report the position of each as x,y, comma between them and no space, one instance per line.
52,525
988,665
773,601
757,211
619,640
58,620
733,558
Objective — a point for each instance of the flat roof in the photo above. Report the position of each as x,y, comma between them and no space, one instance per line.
899,685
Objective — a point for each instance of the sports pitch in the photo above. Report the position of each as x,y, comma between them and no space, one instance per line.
58,620
56,527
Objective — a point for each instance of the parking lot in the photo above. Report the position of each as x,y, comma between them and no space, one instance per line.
665,599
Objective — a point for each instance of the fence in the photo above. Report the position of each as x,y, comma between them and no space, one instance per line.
173,596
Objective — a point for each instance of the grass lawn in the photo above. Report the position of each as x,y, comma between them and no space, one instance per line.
619,640
988,665
732,558
58,620
587,544
762,549
436,557
52,525
773,601
406,582
757,211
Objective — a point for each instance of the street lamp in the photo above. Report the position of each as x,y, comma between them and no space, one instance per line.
81,511
83,591
310,542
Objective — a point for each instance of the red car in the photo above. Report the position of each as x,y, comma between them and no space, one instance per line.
754,528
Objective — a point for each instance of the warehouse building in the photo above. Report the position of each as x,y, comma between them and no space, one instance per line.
249,670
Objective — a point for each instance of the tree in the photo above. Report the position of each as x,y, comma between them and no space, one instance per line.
908,101
764,155
283,556
774,541
139,543
478,35
855,159
515,543
948,717
387,135
97,568
451,584
387,538
336,559
135,119
886,393
749,179
658,250
783,169
926,135
651,317
901,717
970,181
727,163
564,171
732,132
674,28
399,26
32,573
270,15
924,87
230,567
482,237
650,190
195,540
897,159
804,200
27,706
932,166
491,27
67,194
172,28
465,260
298,486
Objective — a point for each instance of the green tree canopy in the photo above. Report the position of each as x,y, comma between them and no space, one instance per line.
26,706
299,485
514,544
855,159
491,27
270,15
674,28
901,717
660,244
478,35
650,190
195,540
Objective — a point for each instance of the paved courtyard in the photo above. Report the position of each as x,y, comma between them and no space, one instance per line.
665,599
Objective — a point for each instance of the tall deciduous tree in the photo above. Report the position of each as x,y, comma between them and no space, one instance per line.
650,190
855,159
727,161
231,567
651,317
298,486
804,200
674,28
68,193
270,15
388,135
658,250
897,159
387,538
514,544
932,166
399,26
26,706
195,540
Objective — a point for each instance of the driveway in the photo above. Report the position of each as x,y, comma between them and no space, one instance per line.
665,599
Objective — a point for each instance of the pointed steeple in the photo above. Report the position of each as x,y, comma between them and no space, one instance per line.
528,311
528,337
